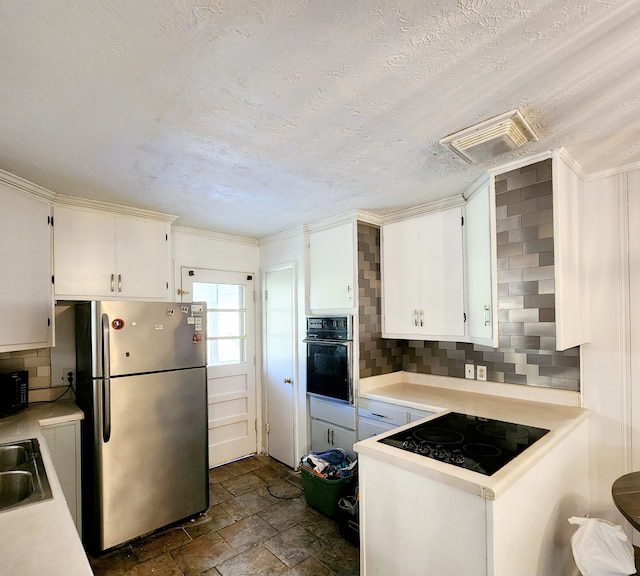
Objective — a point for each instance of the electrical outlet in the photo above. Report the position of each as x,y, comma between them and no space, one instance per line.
469,371
66,372
482,373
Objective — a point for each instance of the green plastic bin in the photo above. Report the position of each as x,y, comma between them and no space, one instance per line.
322,493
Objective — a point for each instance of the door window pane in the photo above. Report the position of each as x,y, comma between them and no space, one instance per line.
219,296
225,324
226,313
230,351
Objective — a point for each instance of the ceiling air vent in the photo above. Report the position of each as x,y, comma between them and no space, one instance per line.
491,138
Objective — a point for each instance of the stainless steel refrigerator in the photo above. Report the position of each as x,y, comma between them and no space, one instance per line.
141,382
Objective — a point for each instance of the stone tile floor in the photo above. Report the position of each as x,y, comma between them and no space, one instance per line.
258,522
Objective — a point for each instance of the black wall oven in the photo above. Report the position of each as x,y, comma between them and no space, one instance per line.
329,350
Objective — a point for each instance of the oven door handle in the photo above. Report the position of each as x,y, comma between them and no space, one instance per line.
327,342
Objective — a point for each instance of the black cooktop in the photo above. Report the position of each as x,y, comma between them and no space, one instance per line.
479,444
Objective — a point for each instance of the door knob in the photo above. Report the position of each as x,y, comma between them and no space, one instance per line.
287,381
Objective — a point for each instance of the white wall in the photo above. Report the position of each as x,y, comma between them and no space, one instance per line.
607,383
285,249
199,249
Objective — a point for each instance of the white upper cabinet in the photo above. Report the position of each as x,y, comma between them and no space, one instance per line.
423,277
100,254
26,300
482,296
332,268
568,190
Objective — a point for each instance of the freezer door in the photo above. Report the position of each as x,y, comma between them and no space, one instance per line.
149,336
153,470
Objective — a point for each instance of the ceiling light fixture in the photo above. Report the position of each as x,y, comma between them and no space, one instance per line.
490,138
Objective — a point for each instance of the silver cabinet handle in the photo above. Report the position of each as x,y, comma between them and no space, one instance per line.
415,317
421,317
379,415
287,381
113,282
349,294
333,437
328,436
119,282
487,319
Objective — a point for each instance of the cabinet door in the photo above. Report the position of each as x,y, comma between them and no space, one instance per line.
84,253
325,436
345,439
400,278
320,435
480,244
26,301
569,268
442,275
332,268
63,441
142,258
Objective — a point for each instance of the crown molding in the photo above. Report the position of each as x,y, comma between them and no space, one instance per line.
217,236
477,184
613,171
298,231
520,163
434,206
27,187
571,161
347,217
64,200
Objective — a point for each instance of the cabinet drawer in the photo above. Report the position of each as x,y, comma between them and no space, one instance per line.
335,412
368,428
414,415
382,412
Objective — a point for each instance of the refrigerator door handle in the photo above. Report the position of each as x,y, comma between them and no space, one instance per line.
106,385
106,410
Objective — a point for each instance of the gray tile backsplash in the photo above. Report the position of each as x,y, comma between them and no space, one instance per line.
526,299
377,355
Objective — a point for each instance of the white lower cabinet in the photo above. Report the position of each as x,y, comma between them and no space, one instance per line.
332,425
368,428
375,417
325,435
413,523
63,441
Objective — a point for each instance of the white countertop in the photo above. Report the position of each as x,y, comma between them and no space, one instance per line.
446,395
41,538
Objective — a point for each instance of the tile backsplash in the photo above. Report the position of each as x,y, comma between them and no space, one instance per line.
526,299
37,363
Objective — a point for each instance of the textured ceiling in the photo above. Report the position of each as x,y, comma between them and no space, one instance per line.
251,117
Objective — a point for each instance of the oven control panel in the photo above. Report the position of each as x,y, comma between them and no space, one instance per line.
329,327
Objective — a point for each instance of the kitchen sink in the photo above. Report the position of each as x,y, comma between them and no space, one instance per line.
15,486
23,479
12,456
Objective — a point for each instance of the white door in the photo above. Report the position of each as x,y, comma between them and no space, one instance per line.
280,364
230,359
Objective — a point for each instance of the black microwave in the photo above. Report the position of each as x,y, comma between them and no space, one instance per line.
14,391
